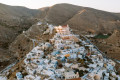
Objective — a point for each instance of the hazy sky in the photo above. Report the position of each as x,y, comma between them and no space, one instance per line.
107,5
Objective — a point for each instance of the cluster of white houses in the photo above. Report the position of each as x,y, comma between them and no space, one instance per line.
71,59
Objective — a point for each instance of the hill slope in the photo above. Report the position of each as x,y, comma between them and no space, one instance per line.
60,13
82,18
16,11
13,20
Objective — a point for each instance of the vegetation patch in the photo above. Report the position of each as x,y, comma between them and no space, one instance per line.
101,36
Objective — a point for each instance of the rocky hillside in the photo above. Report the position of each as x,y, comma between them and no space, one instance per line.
61,13
83,18
118,14
13,20
16,11
111,45
114,38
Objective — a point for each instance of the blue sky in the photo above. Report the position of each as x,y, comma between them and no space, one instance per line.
107,5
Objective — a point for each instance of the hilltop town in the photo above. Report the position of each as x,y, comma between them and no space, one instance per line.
65,57
18,29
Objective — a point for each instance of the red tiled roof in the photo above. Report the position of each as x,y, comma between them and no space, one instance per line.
64,26
88,54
